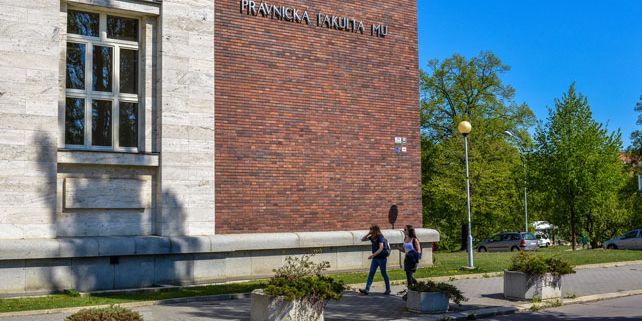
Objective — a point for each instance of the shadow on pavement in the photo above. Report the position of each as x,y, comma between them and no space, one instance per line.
496,296
352,307
544,316
226,310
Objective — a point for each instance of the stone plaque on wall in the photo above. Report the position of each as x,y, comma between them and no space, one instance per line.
99,193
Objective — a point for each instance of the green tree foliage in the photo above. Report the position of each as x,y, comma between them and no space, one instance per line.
457,89
577,170
636,136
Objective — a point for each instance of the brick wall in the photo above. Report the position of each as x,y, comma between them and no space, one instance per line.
306,119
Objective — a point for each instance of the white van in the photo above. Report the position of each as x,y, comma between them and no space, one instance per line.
542,239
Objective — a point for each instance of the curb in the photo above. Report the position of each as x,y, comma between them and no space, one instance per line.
208,298
584,299
608,265
497,311
458,277
473,276
464,315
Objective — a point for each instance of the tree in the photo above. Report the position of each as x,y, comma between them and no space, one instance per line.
636,136
577,168
458,89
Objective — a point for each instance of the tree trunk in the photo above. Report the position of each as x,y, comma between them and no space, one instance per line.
573,238
464,237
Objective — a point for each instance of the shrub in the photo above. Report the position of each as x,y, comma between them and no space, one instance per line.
72,292
451,291
538,265
301,279
298,267
113,313
312,288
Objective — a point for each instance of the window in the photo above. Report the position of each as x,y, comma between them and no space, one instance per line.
529,236
102,82
630,235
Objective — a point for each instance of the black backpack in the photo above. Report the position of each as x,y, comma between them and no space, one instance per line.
386,248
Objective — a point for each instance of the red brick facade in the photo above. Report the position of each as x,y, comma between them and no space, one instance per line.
306,118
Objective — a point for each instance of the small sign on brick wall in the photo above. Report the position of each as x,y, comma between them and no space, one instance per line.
399,141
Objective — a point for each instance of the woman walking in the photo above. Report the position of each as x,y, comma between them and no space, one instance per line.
379,258
412,248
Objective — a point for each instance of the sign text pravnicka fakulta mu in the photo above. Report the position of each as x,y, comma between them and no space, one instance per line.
295,15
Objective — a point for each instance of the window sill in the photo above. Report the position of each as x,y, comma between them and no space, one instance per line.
67,156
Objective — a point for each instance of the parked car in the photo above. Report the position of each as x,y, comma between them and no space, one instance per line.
631,240
509,241
542,239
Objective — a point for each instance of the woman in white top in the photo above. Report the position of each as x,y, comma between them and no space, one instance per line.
412,248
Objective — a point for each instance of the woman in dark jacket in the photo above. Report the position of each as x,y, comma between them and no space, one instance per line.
378,257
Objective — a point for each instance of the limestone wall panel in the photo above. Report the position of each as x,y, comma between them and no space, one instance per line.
29,57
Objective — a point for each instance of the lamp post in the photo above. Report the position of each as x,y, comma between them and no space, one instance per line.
521,157
465,128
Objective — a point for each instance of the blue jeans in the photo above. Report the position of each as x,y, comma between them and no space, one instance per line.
381,264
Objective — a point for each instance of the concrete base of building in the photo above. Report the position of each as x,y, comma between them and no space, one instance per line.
113,263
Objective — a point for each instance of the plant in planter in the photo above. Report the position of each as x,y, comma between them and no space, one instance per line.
431,297
112,313
297,291
534,276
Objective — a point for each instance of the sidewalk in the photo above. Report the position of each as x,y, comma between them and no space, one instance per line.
483,293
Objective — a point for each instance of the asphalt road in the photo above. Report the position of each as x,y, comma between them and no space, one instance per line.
622,309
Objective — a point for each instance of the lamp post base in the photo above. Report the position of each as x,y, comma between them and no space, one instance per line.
468,268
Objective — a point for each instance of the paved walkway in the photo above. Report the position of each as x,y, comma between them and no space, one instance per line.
482,293
622,309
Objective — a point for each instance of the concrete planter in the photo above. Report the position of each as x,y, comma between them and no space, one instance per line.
427,302
518,285
270,308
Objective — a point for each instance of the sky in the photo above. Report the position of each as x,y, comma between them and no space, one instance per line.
548,44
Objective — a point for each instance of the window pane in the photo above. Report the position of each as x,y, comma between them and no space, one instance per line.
101,123
102,68
122,28
75,65
128,125
128,71
82,23
75,121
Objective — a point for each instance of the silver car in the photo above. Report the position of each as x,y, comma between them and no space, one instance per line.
510,241
631,240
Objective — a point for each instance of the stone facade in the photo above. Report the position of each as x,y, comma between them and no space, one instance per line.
307,116
167,187
29,91
187,118
300,145
306,123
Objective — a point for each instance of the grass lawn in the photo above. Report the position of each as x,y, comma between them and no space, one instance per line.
445,264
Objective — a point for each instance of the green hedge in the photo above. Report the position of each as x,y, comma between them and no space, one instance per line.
113,313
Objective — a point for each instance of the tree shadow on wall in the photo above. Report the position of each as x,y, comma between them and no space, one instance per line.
83,232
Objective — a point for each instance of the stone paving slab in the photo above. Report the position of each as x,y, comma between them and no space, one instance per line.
485,297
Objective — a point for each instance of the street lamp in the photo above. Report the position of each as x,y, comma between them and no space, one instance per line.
511,134
465,128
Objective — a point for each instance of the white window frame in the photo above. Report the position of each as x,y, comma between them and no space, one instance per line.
115,96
